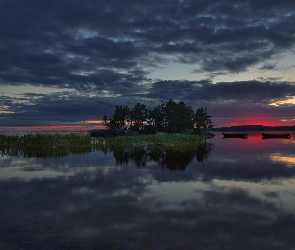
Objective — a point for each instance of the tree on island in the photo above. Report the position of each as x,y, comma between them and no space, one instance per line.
179,117
157,117
202,120
138,117
169,117
119,119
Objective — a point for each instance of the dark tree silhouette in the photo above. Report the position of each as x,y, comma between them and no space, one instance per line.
179,117
119,119
139,116
158,117
106,121
202,120
169,117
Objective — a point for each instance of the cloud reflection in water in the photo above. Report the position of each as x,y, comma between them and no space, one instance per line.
99,201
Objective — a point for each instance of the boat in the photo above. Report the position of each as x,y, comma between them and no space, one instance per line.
243,136
271,136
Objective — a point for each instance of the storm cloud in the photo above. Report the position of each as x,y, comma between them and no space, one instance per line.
108,49
225,100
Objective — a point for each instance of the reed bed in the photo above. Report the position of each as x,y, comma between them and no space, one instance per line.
61,144
151,140
58,140
40,140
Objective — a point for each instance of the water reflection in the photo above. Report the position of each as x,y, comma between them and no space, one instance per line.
232,195
166,158
290,160
172,159
118,212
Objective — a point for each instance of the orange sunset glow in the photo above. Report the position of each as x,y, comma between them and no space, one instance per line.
92,122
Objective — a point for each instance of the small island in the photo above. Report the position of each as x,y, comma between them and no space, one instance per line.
169,123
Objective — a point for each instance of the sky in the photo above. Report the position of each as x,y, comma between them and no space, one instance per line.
68,62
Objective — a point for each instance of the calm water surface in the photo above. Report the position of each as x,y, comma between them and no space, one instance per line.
227,194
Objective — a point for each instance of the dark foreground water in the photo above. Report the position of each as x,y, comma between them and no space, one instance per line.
227,194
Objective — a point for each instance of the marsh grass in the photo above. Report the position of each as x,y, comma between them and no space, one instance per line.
58,140
55,140
35,152
45,145
179,142
62,144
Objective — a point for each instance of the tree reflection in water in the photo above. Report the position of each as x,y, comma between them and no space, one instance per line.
167,157
172,159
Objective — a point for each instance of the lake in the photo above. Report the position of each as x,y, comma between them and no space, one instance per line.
227,194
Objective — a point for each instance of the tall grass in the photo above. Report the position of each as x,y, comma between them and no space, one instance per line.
167,140
45,140
74,140
45,145
58,144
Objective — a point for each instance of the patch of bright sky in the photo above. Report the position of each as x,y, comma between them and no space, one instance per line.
176,71
15,90
285,71
84,33
289,100
4,110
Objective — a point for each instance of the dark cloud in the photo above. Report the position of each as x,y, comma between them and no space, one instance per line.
268,67
243,91
76,36
111,46
224,100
